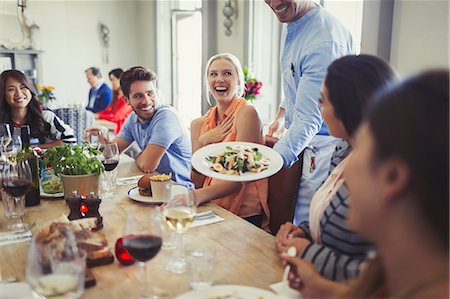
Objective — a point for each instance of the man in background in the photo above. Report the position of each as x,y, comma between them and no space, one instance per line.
312,38
100,94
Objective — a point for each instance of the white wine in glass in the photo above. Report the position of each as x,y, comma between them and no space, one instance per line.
180,212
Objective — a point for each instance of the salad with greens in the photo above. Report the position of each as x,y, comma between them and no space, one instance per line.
238,160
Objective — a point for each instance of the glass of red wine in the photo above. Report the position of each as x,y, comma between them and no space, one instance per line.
16,181
143,241
110,159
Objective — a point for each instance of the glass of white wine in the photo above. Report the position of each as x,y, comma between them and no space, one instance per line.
55,269
180,212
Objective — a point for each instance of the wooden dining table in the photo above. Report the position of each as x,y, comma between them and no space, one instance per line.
244,254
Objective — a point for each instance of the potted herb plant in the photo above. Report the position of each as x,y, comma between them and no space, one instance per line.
77,166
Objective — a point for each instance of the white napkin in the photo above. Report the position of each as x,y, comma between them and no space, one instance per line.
16,290
209,220
128,180
282,288
8,238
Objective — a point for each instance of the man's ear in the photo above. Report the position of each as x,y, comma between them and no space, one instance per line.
396,177
127,100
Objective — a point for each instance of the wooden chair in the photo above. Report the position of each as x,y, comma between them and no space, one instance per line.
283,189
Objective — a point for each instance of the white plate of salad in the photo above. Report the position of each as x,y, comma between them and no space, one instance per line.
237,161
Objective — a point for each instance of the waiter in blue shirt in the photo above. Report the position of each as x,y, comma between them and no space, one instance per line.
311,39
100,94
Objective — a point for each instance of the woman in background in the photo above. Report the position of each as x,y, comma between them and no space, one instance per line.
118,110
20,106
398,180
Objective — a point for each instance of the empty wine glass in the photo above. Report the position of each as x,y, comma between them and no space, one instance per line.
143,241
55,267
96,139
5,136
110,159
180,212
10,149
16,181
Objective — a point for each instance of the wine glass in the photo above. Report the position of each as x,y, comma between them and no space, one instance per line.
110,159
180,212
95,138
5,136
143,241
55,267
11,148
16,181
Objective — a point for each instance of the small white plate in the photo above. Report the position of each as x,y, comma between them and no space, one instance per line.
48,195
229,291
133,193
201,165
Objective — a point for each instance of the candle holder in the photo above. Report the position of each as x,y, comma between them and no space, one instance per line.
85,207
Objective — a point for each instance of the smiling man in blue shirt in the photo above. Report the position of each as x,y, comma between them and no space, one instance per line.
311,39
158,130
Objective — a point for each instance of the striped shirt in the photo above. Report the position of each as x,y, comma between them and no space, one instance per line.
58,130
342,252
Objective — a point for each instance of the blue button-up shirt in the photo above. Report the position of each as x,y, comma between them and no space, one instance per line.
309,46
165,129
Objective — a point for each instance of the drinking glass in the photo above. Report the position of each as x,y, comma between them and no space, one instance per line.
110,159
180,212
10,150
143,241
96,139
16,181
55,268
5,136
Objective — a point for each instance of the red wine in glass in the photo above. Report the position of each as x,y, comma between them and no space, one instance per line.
123,256
142,247
110,164
16,187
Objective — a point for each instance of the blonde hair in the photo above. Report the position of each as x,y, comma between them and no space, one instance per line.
236,63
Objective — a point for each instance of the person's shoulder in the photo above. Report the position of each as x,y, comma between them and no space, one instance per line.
247,110
164,111
48,114
197,123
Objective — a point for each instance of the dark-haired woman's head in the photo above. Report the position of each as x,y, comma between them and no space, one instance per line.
346,93
17,93
114,76
400,164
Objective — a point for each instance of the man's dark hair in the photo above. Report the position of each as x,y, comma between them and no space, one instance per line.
136,73
95,71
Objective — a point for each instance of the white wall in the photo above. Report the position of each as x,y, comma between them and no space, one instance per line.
420,35
70,38
234,43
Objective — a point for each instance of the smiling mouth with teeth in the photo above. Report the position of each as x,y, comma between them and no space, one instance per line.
281,9
220,89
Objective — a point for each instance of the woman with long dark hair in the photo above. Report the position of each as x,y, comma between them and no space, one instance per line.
325,239
399,182
118,110
19,106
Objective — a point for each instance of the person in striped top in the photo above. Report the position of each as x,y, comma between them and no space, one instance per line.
325,240
19,106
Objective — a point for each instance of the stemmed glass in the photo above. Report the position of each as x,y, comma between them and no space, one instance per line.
180,212
5,136
95,139
110,159
11,148
16,181
55,267
143,241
